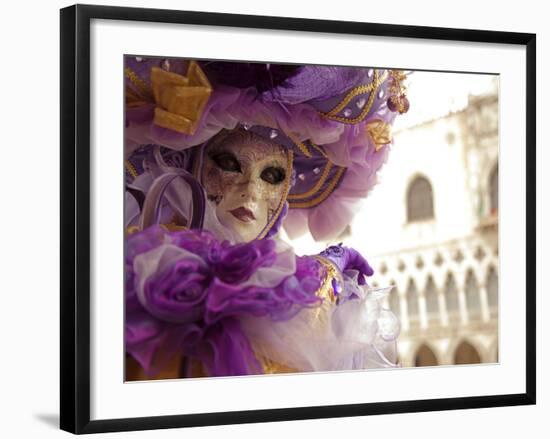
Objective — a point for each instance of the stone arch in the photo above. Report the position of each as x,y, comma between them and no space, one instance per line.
466,353
425,356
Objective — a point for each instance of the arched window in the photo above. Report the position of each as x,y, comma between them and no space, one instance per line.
425,357
493,190
466,354
412,303
420,204
492,288
472,295
432,304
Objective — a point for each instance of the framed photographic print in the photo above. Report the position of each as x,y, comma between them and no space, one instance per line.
304,218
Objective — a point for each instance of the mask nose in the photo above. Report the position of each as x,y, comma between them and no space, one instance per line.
249,190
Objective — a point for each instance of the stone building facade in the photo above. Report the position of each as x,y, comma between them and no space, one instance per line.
430,228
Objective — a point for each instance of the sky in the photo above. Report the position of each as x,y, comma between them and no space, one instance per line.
435,94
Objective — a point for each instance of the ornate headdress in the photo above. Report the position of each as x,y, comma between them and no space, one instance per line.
335,120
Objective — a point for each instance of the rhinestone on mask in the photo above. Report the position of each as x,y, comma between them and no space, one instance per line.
361,103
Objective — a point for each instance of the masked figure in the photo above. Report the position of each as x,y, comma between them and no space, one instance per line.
219,157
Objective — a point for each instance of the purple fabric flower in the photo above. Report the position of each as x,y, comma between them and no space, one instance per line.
236,263
137,244
280,303
177,294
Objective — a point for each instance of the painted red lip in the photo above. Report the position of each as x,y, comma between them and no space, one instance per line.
243,214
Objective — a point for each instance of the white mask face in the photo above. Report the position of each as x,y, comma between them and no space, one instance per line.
247,177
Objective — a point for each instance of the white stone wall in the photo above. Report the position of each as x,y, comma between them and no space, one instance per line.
456,154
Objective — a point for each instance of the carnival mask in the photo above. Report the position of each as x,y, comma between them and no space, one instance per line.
247,177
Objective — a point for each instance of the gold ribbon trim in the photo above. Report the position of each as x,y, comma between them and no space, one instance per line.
380,133
179,100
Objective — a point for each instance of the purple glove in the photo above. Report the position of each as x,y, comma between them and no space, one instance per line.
346,258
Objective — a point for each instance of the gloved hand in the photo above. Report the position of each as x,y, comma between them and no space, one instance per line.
346,258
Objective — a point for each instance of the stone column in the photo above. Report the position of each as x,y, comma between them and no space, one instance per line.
443,315
462,304
422,310
484,302
405,326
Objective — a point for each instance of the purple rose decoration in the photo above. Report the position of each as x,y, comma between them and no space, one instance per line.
137,244
201,243
177,294
282,302
235,264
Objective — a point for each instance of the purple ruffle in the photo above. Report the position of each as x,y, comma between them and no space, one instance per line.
190,305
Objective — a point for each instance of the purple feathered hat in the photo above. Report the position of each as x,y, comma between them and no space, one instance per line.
336,120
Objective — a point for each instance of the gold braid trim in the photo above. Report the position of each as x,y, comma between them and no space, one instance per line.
323,196
300,145
375,84
361,89
316,187
320,149
130,168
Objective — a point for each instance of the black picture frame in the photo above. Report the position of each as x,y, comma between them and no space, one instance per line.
75,217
